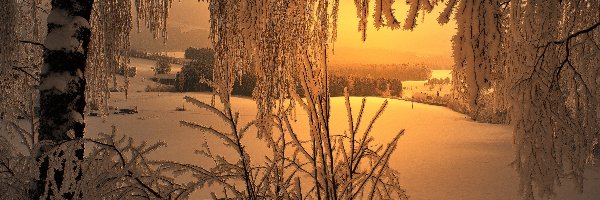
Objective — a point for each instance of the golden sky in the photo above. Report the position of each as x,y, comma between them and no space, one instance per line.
429,42
388,46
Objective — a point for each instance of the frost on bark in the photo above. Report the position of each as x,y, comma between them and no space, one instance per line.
20,58
62,96
72,43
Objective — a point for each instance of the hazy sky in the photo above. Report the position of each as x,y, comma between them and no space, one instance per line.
429,39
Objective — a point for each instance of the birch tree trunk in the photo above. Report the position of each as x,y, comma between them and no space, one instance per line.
62,97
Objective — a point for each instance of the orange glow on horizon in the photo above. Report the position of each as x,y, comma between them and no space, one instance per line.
391,46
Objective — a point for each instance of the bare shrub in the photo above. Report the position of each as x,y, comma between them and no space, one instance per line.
342,167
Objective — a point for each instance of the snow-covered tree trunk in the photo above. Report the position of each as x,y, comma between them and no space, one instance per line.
62,96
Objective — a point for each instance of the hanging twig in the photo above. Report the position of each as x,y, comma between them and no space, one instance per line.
33,43
22,69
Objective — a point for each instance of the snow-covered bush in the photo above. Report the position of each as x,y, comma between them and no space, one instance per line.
114,167
17,173
357,169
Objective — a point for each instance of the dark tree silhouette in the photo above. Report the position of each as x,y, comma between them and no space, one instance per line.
62,93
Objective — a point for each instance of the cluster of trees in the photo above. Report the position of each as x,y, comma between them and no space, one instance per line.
438,81
364,86
131,71
403,72
197,75
198,53
155,56
194,76
162,67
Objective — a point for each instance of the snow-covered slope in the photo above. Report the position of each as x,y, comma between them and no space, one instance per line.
443,154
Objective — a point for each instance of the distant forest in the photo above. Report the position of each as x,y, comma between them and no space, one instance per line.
384,81
403,72
156,56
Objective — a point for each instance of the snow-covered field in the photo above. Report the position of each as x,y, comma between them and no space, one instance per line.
413,87
441,74
176,54
443,154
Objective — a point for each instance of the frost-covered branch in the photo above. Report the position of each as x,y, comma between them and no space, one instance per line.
578,33
241,169
112,21
553,93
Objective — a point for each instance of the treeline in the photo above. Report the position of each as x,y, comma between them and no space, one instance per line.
438,81
195,76
156,57
431,99
402,72
198,53
364,86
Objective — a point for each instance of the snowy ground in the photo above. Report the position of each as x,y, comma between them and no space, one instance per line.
443,154
413,87
144,72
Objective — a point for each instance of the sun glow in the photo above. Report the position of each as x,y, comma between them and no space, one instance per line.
428,39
